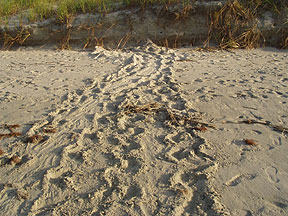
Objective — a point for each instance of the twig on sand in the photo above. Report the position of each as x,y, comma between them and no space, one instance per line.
275,127
251,121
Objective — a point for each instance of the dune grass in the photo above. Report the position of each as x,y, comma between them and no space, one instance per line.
41,9
63,9
233,26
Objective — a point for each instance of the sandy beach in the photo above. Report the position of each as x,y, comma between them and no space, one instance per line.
144,131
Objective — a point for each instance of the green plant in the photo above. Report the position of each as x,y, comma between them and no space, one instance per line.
233,26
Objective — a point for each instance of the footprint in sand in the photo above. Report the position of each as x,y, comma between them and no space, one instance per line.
272,173
242,212
133,191
276,139
240,178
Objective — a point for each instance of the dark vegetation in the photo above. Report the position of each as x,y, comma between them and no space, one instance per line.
233,26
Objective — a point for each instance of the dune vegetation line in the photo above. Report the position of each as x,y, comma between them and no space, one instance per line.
63,9
235,25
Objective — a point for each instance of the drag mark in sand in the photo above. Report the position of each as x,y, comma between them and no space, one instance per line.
125,144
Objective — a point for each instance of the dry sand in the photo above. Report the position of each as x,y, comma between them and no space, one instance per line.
144,131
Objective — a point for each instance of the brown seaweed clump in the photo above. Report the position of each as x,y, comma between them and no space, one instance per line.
15,160
250,142
34,139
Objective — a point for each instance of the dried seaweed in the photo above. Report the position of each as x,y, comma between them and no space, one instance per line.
10,128
49,130
15,160
275,127
4,136
31,139
171,115
250,142
34,139
201,129
15,134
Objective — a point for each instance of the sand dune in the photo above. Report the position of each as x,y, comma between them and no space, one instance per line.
144,131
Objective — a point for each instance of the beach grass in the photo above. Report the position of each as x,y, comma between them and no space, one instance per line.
233,26
63,9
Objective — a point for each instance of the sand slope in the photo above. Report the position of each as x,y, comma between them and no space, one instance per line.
143,131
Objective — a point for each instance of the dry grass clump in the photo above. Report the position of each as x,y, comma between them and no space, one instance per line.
20,37
235,24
